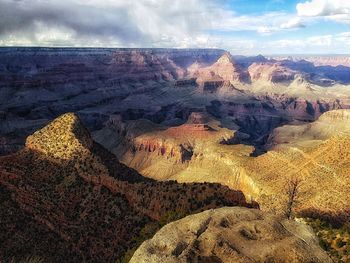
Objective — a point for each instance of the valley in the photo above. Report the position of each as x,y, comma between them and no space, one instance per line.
98,145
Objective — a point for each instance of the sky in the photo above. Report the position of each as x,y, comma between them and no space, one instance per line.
247,27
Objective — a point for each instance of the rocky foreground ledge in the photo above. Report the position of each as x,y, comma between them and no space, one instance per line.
232,234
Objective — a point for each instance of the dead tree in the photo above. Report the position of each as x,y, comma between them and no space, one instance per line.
292,189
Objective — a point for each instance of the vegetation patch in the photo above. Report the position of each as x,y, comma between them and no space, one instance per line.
334,240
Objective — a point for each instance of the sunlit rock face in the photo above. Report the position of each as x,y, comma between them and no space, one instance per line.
178,143
317,153
62,138
232,235
223,69
271,72
329,124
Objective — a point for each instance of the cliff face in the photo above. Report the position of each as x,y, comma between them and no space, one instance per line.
178,152
41,66
200,150
175,144
271,72
224,68
70,187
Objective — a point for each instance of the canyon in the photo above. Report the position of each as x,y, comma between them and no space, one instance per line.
141,134
160,85
65,190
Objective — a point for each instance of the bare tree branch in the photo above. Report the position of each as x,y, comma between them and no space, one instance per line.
292,188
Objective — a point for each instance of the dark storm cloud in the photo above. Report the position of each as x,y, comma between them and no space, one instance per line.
108,22
87,21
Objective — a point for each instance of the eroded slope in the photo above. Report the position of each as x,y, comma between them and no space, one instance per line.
66,185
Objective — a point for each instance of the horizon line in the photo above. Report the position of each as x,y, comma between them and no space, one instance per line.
178,48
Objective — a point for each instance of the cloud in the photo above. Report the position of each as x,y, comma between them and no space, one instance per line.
265,23
317,44
338,10
35,19
295,22
118,23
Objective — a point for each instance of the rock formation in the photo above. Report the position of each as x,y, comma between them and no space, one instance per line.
68,191
224,69
329,124
271,72
232,235
250,123
39,84
302,150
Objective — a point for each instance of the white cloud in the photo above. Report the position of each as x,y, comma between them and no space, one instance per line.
266,30
318,44
265,24
338,10
293,23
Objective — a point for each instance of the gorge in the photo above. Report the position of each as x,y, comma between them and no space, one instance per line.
96,142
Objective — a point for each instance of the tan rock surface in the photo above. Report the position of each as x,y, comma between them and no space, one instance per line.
232,235
272,72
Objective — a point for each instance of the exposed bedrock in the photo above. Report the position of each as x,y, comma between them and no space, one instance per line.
228,235
269,71
179,153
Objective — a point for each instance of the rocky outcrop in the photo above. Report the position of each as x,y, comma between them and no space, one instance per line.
270,72
169,149
62,138
176,143
224,68
232,235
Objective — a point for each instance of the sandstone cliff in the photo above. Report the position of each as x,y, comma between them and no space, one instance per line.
224,69
271,72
